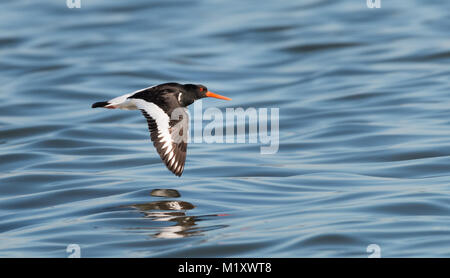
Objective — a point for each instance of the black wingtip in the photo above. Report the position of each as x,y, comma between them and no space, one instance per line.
100,104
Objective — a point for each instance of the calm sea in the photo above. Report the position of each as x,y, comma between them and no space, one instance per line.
364,129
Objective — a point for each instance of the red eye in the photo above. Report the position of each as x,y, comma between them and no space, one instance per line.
201,89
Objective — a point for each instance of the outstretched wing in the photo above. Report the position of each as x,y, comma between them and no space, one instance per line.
168,131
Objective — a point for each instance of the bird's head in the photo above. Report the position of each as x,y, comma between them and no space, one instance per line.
194,92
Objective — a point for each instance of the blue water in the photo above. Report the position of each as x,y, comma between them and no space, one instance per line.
364,153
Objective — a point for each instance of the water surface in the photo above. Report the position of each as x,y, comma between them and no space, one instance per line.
364,154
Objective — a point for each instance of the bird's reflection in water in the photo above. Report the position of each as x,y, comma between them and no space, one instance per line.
172,211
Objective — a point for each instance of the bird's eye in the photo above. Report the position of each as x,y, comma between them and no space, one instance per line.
201,89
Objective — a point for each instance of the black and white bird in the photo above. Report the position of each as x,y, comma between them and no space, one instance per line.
164,107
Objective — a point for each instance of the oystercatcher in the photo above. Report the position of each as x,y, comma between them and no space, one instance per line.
164,107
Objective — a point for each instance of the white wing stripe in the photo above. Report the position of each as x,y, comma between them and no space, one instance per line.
161,119
167,144
173,155
170,156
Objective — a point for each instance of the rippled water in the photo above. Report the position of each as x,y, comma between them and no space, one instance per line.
364,129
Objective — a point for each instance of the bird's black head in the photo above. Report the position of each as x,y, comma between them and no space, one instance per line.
194,92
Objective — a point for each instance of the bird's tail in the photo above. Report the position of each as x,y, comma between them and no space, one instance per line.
100,104
121,102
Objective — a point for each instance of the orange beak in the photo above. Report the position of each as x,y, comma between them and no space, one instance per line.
211,94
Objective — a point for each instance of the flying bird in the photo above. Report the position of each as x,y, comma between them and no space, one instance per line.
164,107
